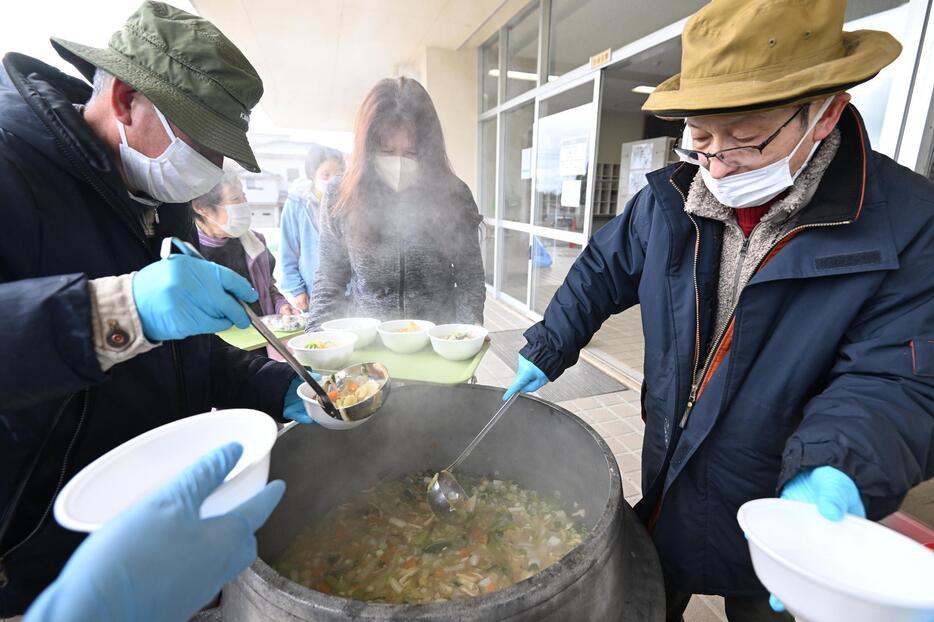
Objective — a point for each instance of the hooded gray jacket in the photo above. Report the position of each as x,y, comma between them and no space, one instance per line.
412,254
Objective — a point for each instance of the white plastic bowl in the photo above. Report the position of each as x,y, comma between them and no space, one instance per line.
284,323
330,359
130,472
363,327
310,398
404,343
460,350
824,571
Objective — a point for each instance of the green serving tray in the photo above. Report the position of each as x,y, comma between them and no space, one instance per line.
250,339
421,366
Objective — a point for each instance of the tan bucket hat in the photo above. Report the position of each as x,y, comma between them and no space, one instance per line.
741,55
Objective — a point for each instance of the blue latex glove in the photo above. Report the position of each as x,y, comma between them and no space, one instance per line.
528,378
182,296
831,490
159,560
294,409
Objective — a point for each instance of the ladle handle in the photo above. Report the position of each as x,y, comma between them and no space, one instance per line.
323,400
479,437
299,369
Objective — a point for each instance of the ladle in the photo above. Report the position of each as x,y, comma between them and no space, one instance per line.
446,497
267,334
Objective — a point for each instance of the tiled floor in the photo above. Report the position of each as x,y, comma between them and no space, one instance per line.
619,342
614,415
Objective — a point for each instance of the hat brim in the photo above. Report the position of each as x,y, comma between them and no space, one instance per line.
196,120
868,52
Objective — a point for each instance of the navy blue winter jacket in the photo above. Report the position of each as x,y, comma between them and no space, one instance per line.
828,358
66,218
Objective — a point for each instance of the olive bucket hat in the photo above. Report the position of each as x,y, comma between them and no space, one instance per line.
742,55
187,68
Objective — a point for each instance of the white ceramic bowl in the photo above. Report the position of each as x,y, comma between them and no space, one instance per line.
330,359
130,472
457,350
404,343
310,399
363,327
824,571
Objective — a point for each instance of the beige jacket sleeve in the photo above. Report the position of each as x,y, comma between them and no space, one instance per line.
118,331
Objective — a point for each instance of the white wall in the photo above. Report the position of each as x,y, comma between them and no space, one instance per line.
617,128
451,79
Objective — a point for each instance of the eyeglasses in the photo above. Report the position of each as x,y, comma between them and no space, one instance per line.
736,156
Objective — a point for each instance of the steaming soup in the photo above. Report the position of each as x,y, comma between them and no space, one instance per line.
411,327
462,336
384,544
351,390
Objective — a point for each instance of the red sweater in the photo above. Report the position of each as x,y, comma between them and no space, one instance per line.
749,217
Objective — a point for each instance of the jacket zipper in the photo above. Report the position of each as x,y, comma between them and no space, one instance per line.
734,294
4,579
691,397
699,379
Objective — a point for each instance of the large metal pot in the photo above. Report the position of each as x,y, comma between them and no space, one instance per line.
614,575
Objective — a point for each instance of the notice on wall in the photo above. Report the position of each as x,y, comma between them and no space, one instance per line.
637,181
572,159
525,170
641,157
571,193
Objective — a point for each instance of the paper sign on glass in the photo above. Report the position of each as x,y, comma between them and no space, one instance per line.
571,193
525,171
572,160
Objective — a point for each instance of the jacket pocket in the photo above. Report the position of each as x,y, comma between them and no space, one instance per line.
922,356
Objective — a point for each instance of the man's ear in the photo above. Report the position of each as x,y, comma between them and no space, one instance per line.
831,116
121,101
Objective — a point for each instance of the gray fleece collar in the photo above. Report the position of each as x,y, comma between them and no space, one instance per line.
701,202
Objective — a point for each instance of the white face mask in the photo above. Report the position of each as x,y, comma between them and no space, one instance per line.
178,175
761,185
399,173
321,186
239,218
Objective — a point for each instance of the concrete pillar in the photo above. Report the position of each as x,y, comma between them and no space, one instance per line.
451,78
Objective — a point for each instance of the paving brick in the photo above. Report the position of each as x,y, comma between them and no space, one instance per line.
614,428
601,415
616,445
631,442
628,463
611,399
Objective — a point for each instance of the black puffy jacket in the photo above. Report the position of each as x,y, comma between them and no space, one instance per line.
67,218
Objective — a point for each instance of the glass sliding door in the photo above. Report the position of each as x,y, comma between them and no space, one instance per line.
515,258
551,262
517,163
564,158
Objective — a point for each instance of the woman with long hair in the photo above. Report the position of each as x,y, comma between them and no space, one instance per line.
399,227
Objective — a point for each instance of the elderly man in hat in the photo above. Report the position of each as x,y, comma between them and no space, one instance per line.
784,275
102,340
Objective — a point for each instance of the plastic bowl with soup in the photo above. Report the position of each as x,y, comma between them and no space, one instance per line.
284,323
328,350
363,327
405,336
457,342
